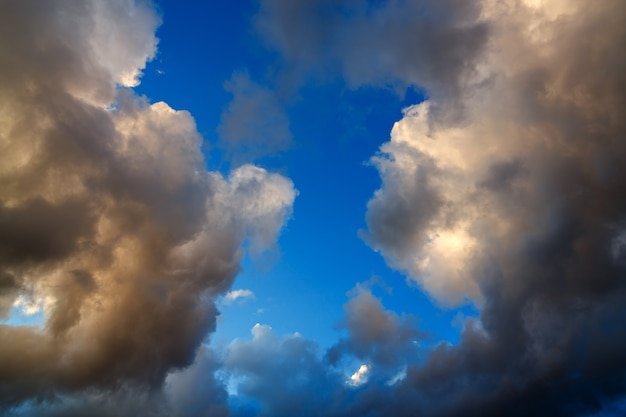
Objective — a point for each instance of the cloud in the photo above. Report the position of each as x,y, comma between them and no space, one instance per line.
307,381
197,391
413,219
254,125
108,219
301,382
431,44
518,208
505,188
378,336
234,295
360,376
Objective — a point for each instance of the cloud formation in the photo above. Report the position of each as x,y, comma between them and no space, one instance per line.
108,218
308,382
301,383
376,336
518,208
505,189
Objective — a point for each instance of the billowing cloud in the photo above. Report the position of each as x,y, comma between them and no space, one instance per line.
518,208
306,381
197,390
254,125
108,219
301,384
413,220
505,189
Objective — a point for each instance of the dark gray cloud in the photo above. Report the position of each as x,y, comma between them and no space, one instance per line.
301,383
122,401
198,390
285,375
430,44
379,338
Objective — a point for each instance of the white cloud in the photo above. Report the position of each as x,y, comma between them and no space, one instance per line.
421,219
360,376
121,48
28,306
235,295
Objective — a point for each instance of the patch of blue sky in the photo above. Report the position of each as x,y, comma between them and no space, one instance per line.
336,131
25,313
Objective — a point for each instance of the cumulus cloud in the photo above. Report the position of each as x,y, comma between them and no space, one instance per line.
506,188
234,295
360,376
197,390
306,381
254,125
412,218
301,384
518,208
386,341
108,219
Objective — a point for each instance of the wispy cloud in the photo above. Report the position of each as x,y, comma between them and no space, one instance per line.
254,125
240,295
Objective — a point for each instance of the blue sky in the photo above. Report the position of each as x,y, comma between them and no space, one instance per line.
336,129
324,208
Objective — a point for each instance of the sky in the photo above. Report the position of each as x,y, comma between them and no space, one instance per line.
313,208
